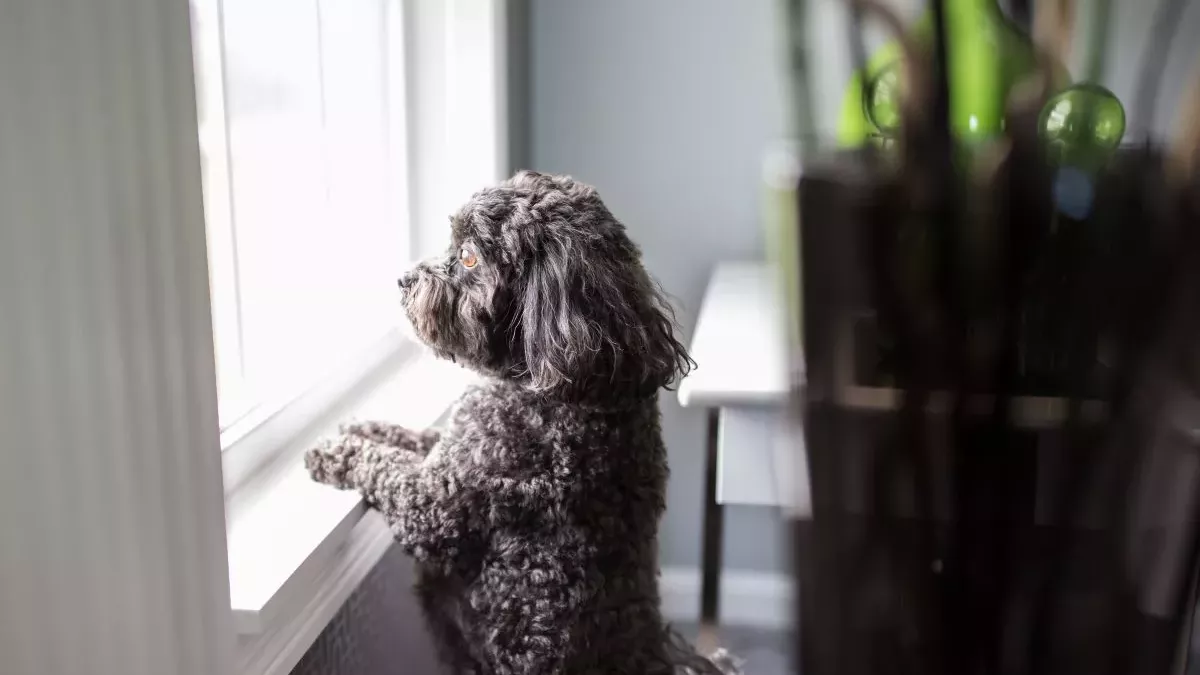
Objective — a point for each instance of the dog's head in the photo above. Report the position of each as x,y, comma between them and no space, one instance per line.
542,286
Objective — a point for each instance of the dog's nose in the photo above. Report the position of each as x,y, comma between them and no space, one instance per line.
405,281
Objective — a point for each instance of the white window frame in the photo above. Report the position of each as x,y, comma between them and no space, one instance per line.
110,395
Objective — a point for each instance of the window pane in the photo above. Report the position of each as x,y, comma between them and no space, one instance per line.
315,237
364,237
280,204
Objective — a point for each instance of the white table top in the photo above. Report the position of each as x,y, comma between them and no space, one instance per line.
740,344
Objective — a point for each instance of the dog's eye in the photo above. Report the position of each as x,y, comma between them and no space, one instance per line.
467,258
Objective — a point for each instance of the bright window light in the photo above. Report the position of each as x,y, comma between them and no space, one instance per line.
303,187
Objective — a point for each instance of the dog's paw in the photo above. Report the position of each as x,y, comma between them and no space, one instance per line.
391,435
380,432
333,462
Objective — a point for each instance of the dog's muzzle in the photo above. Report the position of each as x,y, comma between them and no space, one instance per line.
405,283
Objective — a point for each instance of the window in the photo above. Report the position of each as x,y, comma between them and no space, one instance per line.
300,106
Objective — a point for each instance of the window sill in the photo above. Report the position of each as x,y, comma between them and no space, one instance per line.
298,549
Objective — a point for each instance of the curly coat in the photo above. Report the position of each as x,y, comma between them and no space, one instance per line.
534,516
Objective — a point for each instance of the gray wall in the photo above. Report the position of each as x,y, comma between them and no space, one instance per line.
666,106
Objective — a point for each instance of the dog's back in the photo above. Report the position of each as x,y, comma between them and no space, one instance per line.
566,580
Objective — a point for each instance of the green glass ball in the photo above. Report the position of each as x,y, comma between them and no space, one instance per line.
882,100
1082,123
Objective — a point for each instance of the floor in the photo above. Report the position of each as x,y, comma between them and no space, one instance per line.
769,652
765,651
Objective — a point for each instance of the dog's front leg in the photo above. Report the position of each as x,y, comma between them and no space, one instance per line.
434,504
435,507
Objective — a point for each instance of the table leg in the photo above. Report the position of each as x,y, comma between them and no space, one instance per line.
710,562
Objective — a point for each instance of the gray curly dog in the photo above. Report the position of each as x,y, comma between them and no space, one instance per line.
533,517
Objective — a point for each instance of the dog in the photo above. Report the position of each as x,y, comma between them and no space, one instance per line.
533,517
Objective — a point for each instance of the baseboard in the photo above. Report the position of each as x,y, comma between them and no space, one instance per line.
756,599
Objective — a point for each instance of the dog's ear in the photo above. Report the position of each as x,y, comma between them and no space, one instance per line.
597,321
555,338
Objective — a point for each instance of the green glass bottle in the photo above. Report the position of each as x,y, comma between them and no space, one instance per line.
988,54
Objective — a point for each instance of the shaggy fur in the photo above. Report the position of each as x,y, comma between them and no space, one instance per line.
534,516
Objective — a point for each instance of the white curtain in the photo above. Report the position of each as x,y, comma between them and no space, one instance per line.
112,536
